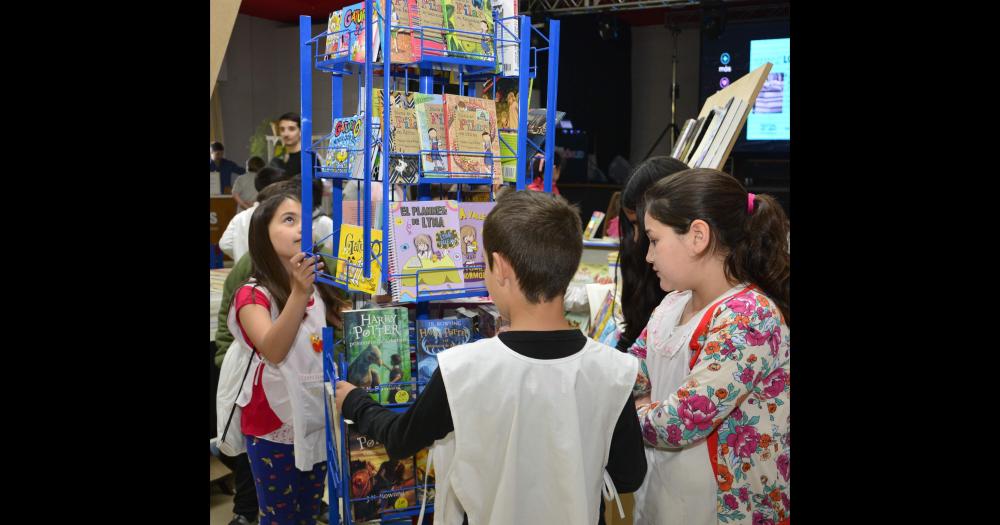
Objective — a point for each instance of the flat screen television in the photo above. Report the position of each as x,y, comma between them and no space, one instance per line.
741,48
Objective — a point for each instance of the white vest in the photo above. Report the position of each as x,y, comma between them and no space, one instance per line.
531,438
294,387
679,487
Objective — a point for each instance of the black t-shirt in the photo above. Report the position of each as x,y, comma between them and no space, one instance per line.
292,167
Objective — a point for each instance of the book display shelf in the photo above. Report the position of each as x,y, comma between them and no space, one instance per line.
369,197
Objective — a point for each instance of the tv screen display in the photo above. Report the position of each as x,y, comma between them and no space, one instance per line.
739,49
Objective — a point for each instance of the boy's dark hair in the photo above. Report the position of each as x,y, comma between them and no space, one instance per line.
754,243
216,146
267,176
285,187
292,185
255,164
541,235
293,116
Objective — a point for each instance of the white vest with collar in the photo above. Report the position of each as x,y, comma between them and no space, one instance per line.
294,387
532,436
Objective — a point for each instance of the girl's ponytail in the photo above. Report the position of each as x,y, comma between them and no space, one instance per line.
762,258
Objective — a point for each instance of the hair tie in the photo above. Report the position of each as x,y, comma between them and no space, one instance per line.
750,197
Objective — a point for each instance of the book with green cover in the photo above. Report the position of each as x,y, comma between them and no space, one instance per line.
378,351
474,20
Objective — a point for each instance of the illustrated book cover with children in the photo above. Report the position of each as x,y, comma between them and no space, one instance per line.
404,46
378,352
426,252
472,127
434,336
430,17
404,138
469,25
430,127
471,216
379,484
350,259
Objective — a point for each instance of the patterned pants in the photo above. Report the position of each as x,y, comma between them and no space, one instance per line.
285,494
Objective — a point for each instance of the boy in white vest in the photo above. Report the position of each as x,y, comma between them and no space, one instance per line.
532,425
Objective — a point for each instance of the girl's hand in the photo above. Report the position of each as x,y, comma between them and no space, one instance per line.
302,272
642,401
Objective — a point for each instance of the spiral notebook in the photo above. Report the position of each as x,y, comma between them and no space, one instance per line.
425,253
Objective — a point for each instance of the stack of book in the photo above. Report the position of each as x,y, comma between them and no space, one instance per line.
705,142
702,143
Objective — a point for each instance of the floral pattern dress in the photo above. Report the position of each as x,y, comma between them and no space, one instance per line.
740,384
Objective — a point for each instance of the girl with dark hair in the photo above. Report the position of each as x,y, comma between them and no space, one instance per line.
279,316
640,293
713,388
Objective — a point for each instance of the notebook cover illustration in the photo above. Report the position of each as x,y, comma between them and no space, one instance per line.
425,243
471,216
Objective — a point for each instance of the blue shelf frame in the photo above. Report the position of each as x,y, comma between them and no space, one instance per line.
469,71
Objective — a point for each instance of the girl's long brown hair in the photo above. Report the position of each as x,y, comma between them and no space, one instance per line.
755,243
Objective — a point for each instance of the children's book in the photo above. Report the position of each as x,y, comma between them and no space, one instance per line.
603,316
469,25
471,216
378,352
404,138
436,335
404,45
506,98
426,253
431,129
471,127
379,484
334,36
424,477
353,21
595,222
430,17
351,258
343,144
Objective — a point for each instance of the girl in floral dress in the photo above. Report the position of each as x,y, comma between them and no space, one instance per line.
713,388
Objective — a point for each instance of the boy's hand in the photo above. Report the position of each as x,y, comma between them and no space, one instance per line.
343,388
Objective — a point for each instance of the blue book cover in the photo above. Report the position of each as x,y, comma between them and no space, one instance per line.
345,137
436,335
